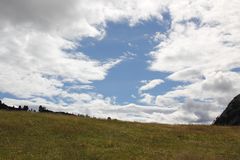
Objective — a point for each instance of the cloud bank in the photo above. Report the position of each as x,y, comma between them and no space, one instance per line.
201,49
38,56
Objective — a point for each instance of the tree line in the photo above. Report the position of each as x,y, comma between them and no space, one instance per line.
13,108
26,108
40,109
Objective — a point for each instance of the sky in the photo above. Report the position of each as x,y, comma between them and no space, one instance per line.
163,61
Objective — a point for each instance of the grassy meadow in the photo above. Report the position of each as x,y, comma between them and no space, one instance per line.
42,136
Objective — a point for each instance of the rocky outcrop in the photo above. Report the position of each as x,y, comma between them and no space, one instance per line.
231,115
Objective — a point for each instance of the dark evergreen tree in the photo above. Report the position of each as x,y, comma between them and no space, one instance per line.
41,108
25,108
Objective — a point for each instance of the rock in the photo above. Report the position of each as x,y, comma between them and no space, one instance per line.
231,115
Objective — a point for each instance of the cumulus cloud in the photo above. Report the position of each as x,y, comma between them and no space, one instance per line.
38,55
202,48
146,98
38,42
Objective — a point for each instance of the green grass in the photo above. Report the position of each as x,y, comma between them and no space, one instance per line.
39,136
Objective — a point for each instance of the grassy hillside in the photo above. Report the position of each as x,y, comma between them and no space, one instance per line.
40,136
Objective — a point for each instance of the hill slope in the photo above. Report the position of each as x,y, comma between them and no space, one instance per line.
231,115
39,136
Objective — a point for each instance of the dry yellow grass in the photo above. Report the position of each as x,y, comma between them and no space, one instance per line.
39,136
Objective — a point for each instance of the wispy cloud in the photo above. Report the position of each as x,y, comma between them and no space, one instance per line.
150,84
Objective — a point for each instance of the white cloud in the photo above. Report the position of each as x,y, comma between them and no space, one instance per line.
80,87
147,99
133,96
38,38
37,54
202,47
150,84
103,108
158,36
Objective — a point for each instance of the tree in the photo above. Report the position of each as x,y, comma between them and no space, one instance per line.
25,108
41,108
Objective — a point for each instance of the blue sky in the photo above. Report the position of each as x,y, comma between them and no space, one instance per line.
136,60
124,80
